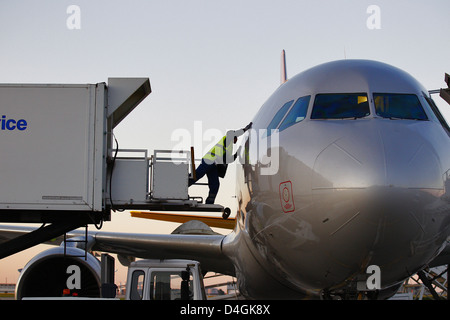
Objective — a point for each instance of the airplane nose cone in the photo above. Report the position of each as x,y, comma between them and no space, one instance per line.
411,160
383,153
378,195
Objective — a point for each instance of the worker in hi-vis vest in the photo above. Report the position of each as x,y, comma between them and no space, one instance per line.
215,161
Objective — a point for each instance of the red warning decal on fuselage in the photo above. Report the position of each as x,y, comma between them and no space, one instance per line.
286,197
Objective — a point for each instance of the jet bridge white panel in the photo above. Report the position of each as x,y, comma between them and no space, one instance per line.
170,177
130,179
52,147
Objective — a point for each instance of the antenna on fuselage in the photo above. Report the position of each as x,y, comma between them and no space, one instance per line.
283,67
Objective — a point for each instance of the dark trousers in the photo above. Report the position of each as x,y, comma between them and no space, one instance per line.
213,179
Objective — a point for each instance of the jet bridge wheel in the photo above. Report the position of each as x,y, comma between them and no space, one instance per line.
226,213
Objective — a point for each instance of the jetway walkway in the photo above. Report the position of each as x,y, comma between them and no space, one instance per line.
158,182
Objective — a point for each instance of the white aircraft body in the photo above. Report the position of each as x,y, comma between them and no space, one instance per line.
355,175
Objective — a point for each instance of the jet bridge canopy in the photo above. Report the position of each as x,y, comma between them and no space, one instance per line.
124,94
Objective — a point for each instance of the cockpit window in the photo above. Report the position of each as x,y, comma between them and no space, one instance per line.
297,113
398,106
437,113
340,106
278,117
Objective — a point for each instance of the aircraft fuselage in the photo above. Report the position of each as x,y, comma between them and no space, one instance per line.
340,190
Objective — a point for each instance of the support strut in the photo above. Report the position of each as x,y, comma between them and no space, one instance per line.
38,236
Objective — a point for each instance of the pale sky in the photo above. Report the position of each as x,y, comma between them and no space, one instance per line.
209,61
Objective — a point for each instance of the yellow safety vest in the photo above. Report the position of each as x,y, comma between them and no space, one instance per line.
218,152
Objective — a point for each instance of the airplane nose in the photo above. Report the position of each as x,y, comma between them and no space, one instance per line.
378,194
383,153
411,159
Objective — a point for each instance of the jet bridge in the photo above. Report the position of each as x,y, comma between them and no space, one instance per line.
58,165
56,142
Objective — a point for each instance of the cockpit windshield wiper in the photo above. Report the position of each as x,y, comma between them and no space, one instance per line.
416,119
354,117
